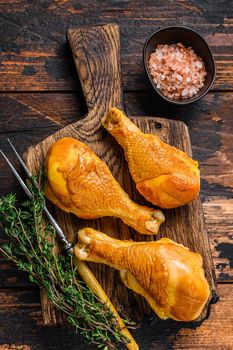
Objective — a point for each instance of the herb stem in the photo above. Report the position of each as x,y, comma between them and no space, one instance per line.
32,245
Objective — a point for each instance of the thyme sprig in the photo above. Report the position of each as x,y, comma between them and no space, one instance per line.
32,248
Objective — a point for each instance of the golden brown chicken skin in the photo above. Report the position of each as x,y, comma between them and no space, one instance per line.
167,274
79,182
164,175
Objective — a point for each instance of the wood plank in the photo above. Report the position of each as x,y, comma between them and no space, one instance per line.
219,221
35,54
29,330
11,299
37,114
11,276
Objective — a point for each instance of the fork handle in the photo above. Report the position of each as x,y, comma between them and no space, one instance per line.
96,288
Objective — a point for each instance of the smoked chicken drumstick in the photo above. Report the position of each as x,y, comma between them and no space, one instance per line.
164,175
167,274
79,182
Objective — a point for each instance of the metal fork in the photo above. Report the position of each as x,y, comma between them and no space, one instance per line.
67,246
82,268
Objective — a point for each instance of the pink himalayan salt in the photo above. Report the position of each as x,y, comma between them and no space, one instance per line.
177,71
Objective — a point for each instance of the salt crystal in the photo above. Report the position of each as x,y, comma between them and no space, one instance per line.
179,77
177,71
160,56
184,92
199,64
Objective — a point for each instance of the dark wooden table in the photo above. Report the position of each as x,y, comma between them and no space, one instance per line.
40,94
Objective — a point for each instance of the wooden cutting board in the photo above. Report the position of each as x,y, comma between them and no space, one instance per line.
96,52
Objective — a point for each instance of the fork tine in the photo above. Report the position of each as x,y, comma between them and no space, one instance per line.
20,159
20,180
67,246
23,164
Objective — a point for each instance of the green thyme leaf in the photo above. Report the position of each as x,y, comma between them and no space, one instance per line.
31,244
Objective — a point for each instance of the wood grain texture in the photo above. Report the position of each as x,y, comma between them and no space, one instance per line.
29,331
35,55
96,52
218,216
11,299
102,64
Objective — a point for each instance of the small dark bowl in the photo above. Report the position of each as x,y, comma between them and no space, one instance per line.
188,37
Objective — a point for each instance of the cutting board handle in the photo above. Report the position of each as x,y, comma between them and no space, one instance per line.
96,52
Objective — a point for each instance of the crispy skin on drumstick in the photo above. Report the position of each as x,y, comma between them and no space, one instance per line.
79,182
164,175
167,274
